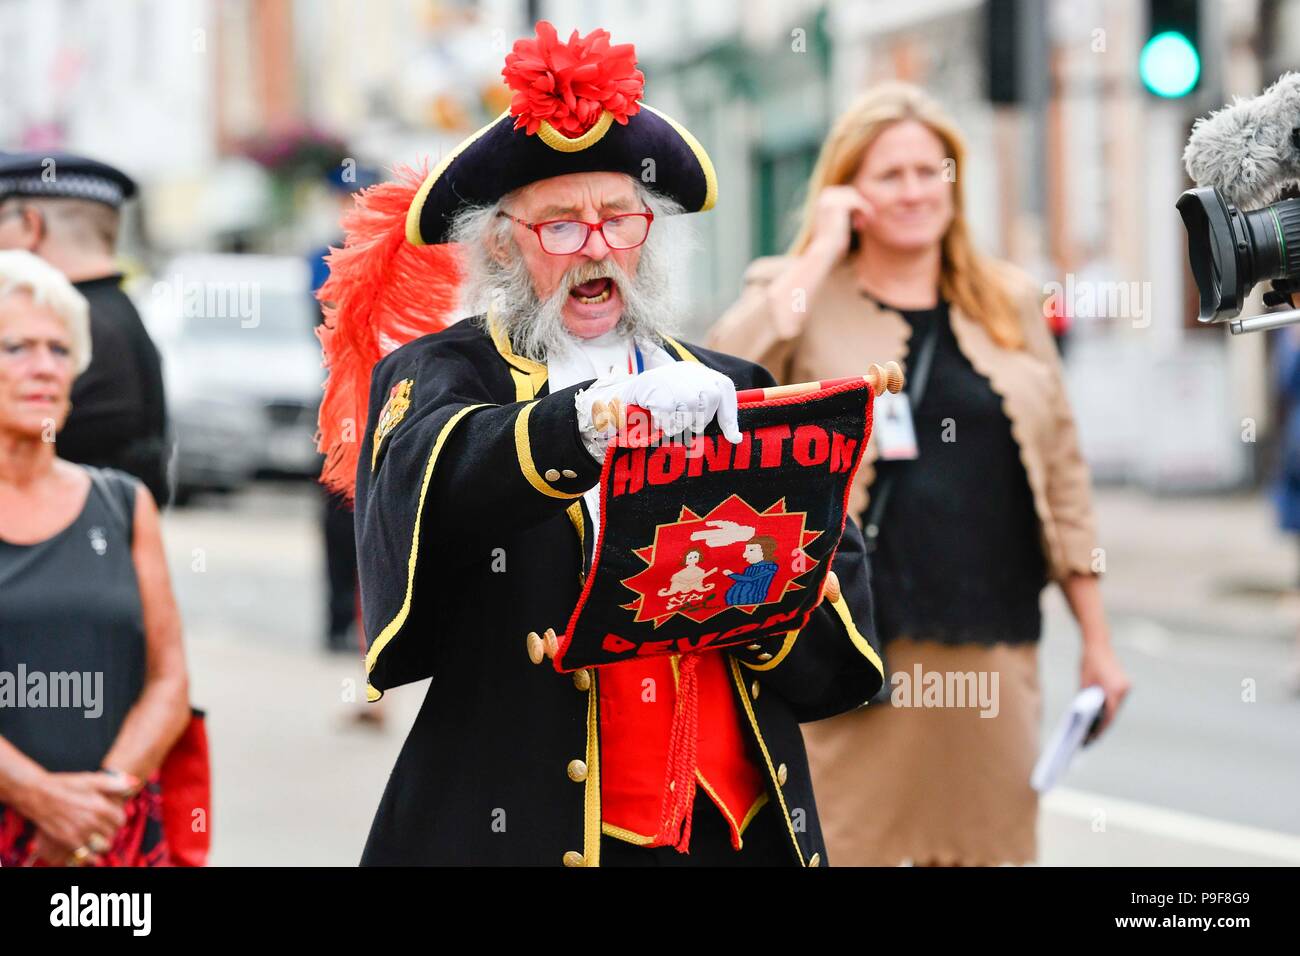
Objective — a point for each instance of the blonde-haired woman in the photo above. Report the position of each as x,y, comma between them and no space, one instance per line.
88,623
995,503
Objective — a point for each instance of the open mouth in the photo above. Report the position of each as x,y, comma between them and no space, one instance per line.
594,292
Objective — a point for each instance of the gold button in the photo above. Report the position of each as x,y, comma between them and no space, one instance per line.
815,860
536,649
569,473
764,657
577,771
574,858
552,474
781,774
753,690
582,679
754,647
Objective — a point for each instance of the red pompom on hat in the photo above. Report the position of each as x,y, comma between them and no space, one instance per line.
570,84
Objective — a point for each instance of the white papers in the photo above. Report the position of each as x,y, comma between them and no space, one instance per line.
1067,738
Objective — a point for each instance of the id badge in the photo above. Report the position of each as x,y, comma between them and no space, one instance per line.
892,426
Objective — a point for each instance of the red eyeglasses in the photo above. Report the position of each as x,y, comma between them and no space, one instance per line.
564,237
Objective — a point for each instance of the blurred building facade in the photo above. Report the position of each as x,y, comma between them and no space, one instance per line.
222,108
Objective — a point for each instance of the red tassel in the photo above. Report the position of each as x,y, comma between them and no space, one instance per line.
382,292
679,783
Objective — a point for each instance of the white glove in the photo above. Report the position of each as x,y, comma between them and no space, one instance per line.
679,397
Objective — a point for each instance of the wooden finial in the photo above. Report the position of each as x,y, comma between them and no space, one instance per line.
536,649
876,378
894,379
606,416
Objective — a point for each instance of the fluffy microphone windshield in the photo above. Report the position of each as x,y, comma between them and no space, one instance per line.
1250,150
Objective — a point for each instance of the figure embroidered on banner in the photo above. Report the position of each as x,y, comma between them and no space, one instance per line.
750,586
690,577
734,540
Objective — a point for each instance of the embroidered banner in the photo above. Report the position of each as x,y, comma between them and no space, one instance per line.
706,544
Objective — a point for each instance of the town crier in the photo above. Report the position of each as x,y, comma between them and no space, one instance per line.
476,475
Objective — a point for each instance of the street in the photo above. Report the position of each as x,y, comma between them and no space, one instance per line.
1201,600
1202,767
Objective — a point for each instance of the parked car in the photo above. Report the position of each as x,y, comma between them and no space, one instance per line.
242,367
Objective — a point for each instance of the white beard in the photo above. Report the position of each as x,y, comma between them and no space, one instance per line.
536,328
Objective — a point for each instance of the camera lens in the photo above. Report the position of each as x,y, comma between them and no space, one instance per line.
1274,247
1230,251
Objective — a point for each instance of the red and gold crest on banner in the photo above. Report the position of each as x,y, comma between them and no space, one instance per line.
732,557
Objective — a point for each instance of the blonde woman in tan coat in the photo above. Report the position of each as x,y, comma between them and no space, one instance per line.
995,505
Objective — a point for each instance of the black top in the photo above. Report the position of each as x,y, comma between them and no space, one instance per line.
960,558
118,418
72,633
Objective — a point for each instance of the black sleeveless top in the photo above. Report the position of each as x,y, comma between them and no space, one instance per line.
960,558
72,647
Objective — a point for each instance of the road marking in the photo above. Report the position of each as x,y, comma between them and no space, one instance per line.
1175,824
1147,636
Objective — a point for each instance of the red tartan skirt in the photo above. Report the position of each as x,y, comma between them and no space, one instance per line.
140,842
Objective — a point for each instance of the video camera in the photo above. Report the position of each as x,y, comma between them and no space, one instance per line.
1244,157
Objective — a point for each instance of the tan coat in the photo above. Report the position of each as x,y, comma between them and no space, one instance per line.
845,331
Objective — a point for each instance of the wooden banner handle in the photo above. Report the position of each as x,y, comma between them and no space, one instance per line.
881,378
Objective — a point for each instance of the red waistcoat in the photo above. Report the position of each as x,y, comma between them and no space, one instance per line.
637,701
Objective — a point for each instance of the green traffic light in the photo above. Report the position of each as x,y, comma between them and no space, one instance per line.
1169,64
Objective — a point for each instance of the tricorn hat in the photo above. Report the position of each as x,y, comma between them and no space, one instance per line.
576,109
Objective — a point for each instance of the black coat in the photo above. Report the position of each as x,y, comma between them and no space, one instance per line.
118,417
466,536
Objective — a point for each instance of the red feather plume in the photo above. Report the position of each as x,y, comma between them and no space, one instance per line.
382,292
